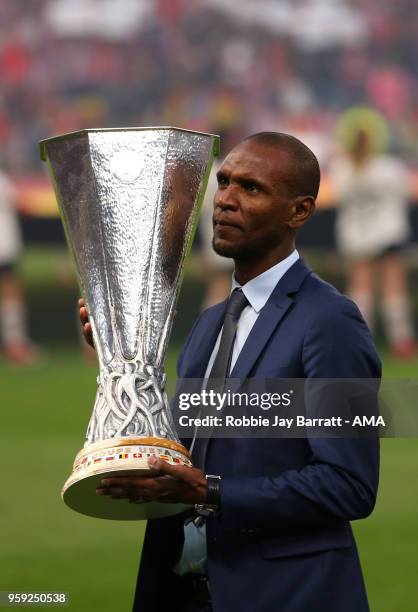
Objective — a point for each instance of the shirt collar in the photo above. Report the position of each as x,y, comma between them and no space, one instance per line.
258,289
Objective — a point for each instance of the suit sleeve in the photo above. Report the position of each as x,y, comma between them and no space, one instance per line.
340,481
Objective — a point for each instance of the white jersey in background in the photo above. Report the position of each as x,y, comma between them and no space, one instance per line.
372,212
10,236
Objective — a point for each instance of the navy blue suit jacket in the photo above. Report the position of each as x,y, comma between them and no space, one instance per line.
283,540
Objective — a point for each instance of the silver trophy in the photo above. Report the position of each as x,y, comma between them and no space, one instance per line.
129,200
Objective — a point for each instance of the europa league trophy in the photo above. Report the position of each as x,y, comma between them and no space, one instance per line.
129,200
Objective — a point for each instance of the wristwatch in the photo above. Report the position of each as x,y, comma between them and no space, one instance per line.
212,504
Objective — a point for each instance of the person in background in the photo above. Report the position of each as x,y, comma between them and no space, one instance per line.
372,226
17,347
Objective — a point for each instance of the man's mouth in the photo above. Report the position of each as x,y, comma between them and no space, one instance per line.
224,223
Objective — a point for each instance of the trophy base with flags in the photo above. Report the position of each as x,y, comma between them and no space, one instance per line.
120,457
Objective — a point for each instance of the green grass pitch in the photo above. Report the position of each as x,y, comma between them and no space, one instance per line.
45,546
44,415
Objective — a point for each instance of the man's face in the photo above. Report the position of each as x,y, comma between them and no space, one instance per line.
252,205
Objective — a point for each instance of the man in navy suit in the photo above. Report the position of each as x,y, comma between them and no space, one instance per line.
278,535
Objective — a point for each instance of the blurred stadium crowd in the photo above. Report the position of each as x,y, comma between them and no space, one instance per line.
338,74
245,65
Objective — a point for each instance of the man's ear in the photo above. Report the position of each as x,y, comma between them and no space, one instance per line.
301,209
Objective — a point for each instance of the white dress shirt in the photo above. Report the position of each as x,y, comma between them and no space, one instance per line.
257,291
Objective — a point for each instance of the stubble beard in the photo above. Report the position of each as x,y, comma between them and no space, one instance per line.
236,252
225,251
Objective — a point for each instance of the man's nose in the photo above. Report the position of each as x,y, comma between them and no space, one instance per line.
227,198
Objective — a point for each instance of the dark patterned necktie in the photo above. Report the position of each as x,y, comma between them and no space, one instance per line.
220,369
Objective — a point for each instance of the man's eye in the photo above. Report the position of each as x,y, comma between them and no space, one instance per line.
252,187
222,181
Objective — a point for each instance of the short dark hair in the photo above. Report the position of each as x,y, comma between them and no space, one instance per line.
307,175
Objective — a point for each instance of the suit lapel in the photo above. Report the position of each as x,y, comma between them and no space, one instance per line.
269,318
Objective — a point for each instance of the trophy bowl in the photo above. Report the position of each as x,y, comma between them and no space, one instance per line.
129,200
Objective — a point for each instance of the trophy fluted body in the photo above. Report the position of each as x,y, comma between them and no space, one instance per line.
129,200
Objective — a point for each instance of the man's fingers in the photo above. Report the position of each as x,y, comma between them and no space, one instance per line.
83,312
88,334
180,472
141,486
130,488
128,482
114,492
85,322
173,484
122,493
84,315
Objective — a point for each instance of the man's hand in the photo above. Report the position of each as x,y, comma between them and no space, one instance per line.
166,483
84,318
